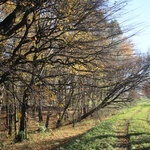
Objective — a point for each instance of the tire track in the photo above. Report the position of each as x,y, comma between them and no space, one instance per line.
123,136
148,117
122,131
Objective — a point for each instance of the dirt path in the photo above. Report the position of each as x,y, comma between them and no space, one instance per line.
122,131
123,136
148,117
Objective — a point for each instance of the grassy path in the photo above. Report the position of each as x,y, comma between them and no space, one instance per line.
129,130
123,128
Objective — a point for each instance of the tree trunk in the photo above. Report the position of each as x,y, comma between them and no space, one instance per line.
15,121
23,117
47,119
1,105
59,122
7,115
40,113
10,119
23,120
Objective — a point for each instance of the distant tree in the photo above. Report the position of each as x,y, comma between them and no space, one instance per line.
146,89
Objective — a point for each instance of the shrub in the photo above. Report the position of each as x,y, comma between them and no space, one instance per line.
42,127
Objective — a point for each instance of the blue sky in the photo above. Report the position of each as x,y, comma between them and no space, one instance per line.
137,13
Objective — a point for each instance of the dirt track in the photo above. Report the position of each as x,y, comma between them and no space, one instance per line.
123,132
123,127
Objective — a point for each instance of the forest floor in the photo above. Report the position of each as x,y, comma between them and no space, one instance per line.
129,129
44,140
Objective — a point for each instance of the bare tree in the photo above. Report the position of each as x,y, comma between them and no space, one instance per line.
73,50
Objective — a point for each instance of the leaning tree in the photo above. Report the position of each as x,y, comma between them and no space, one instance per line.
70,51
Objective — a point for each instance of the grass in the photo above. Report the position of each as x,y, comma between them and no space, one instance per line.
129,127
140,129
131,124
50,139
94,139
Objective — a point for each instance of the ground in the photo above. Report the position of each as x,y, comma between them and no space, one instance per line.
128,130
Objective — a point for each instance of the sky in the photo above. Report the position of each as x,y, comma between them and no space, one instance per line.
137,14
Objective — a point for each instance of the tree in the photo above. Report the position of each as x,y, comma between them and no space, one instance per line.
71,50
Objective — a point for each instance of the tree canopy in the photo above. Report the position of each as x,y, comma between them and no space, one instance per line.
66,54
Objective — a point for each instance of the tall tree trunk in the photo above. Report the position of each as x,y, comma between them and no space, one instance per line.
47,119
7,115
1,105
40,112
10,119
15,121
23,117
23,120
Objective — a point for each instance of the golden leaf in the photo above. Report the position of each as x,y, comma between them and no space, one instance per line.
57,116
60,27
61,105
18,115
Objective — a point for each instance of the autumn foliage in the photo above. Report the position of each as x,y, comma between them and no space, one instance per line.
68,58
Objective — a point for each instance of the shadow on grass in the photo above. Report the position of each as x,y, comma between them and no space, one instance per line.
108,139
145,148
143,140
84,140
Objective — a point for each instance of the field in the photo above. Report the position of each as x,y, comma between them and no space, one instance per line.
127,130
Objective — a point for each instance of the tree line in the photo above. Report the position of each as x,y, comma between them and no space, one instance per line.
64,56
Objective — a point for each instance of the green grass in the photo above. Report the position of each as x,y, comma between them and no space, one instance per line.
105,135
140,129
94,139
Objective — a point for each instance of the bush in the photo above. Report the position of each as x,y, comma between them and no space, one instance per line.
42,127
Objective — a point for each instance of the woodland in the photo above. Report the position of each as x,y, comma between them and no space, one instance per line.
61,61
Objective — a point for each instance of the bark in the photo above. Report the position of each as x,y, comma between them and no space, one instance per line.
40,112
23,120
10,120
47,119
15,121
23,117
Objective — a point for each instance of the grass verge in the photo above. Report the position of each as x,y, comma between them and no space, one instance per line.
132,124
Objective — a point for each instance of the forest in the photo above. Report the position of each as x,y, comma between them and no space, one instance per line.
62,61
